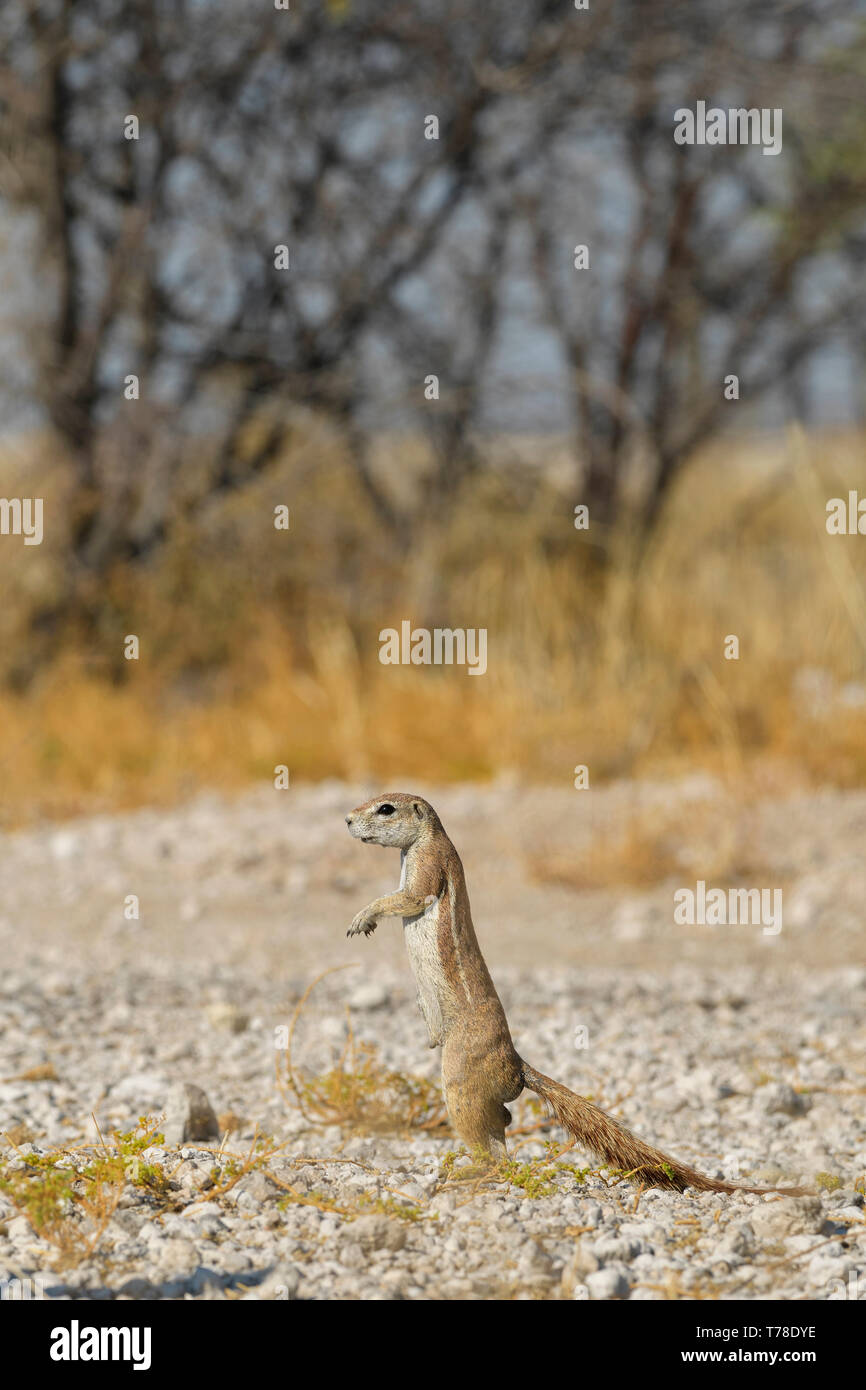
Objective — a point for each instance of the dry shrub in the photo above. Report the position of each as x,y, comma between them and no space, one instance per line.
69,1196
262,648
45,1071
359,1093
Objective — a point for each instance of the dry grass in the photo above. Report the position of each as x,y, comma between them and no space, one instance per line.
69,1196
702,839
642,856
261,648
358,1093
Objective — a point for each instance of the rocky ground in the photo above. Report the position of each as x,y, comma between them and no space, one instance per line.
740,1052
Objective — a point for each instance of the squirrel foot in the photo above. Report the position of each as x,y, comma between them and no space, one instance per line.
362,923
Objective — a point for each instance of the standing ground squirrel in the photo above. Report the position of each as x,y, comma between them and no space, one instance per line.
481,1070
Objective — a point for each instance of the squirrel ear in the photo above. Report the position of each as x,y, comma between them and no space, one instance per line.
418,809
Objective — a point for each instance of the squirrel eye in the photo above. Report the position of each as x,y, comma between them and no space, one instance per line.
386,810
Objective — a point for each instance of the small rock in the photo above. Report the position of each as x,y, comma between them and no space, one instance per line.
227,1016
852,1215
19,1229
607,1283
789,1216
369,996
175,1254
396,1279
534,1259
739,1239
582,1262
352,1255
257,1186
702,1085
280,1285
615,1250
189,1115
778,1098
376,1232
193,1177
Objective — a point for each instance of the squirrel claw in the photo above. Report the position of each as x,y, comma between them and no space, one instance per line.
361,924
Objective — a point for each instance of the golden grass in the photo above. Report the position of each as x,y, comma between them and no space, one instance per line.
639,857
359,1093
261,648
705,839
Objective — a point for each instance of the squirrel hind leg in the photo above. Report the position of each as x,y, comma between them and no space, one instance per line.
478,1122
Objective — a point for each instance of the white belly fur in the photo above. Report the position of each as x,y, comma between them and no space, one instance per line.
421,937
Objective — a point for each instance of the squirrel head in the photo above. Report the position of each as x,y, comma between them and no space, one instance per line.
395,819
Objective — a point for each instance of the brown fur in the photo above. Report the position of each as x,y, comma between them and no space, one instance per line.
481,1070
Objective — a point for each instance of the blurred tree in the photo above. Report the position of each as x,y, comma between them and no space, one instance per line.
260,128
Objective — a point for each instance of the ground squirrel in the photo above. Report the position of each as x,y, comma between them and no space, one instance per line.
481,1070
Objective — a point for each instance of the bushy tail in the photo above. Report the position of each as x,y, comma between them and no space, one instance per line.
601,1134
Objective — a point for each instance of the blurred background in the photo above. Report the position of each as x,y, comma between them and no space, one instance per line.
306,385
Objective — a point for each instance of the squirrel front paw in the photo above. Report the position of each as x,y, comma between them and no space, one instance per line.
362,923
